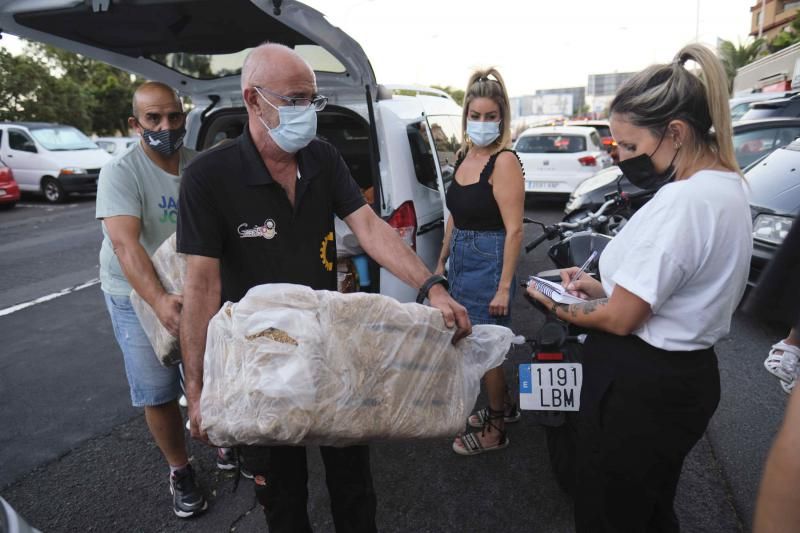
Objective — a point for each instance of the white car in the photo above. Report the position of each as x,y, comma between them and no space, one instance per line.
115,145
52,159
399,148
556,159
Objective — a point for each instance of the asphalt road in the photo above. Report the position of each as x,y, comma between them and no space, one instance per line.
74,456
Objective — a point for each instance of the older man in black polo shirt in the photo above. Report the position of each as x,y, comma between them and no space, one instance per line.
258,211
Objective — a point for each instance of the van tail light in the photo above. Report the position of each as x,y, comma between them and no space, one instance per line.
404,221
6,176
588,161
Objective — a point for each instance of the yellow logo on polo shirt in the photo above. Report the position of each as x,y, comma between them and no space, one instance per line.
323,251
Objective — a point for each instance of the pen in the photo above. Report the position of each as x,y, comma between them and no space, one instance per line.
584,266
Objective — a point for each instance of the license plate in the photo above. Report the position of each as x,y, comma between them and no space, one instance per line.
540,185
3,192
550,386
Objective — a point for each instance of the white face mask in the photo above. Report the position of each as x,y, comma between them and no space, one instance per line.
296,129
483,133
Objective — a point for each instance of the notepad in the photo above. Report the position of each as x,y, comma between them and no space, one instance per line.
554,291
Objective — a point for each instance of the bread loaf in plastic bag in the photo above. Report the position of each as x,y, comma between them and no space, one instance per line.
290,365
170,266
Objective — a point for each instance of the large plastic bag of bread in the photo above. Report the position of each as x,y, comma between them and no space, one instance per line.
170,266
290,365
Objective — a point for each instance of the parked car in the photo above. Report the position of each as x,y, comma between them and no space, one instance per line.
115,145
604,130
9,190
556,159
52,159
787,106
752,140
739,105
774,186
399,148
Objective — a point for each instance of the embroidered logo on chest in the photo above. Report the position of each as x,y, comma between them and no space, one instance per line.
267,231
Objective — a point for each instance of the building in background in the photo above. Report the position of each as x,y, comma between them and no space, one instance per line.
775,73
567,102
770,17
600,90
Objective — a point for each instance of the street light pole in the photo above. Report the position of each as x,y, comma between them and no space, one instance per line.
697,24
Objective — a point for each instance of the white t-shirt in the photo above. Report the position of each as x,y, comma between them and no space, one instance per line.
686,252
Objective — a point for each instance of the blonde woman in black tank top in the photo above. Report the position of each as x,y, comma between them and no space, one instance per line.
483,239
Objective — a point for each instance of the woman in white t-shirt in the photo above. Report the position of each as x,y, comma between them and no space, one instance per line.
671,280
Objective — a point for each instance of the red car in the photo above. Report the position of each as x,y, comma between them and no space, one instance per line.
9,190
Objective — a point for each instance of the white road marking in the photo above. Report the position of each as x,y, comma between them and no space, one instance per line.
47,298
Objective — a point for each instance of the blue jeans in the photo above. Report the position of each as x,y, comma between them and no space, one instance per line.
476,263
150,383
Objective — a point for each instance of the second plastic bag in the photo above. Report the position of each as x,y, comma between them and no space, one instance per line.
290,365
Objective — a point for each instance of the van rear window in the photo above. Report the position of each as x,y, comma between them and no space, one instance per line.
551,144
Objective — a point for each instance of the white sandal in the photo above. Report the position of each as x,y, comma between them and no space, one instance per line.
783,365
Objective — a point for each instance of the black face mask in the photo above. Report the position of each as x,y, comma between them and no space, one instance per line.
165,142
642,173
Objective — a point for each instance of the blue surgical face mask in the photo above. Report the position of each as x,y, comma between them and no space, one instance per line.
297,127
483,133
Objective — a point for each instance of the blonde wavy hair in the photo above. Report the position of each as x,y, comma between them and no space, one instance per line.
487,83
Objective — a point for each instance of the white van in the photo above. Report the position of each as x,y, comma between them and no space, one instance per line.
52,159
402,147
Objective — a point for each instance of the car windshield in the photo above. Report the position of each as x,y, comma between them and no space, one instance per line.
551,143
63,138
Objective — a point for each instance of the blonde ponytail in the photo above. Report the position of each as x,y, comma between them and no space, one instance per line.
661,93
715,81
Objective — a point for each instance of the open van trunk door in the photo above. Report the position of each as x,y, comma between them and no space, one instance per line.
195,46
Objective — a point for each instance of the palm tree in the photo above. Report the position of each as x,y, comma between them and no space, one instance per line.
735,56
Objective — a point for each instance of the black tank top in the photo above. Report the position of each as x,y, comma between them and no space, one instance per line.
473,207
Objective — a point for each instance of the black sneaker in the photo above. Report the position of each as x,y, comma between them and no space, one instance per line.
187,500
227,460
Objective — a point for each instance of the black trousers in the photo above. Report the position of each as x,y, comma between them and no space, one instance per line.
285,494
642,411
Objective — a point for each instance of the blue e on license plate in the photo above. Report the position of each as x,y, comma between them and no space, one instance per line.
550,386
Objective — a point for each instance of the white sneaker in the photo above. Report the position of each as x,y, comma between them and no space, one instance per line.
182,401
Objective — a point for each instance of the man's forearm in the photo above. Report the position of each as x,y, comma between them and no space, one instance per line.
139,271
200,304
389,250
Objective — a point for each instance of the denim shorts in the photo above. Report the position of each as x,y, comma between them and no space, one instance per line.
150,383
476,263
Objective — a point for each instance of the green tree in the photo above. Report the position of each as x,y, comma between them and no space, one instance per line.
30,92
788,37
735,56
456,94
109,89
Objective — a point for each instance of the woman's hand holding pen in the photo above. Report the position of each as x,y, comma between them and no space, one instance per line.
585,286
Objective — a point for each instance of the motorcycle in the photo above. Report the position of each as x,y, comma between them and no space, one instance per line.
592,192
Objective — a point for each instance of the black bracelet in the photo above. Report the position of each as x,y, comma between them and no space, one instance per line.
430,282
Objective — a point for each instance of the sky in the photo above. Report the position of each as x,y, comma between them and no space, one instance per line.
535,44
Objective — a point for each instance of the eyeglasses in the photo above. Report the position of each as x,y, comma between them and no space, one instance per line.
319,102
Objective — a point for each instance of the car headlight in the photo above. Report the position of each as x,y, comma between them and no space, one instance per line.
771,228
73,170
